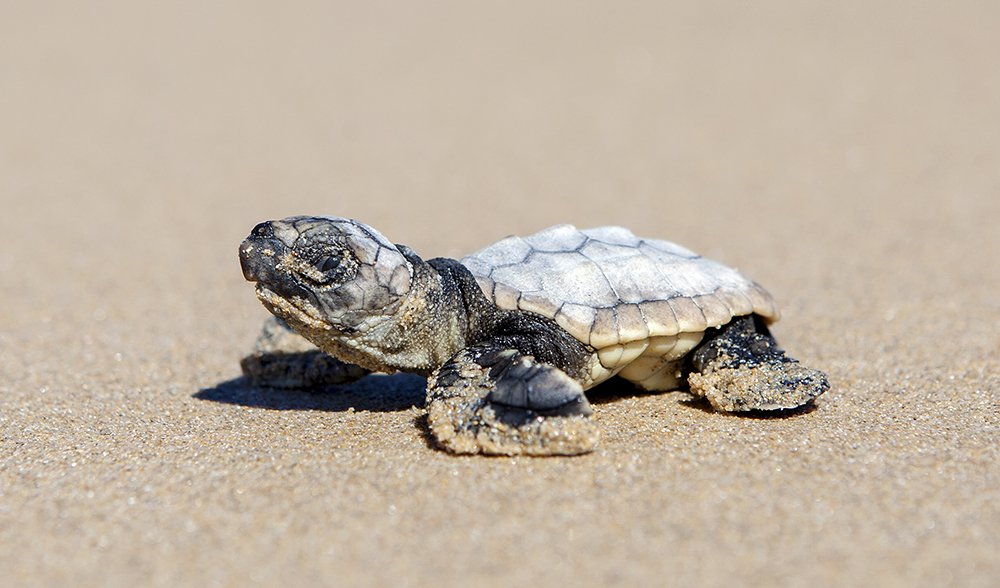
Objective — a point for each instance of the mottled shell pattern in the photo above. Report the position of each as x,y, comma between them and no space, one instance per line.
642,304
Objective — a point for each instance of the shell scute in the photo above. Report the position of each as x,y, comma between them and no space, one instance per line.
689,315
576,317
604,331
661,319
631,323
716,312
559,238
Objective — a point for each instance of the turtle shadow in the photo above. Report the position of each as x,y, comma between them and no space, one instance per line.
612,390
616,389
373,393
704,406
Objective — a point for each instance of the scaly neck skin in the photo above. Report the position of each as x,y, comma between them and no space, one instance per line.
453,313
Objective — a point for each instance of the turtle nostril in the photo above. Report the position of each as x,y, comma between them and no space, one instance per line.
263,229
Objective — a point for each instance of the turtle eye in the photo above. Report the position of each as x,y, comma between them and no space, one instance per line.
322,264
329,263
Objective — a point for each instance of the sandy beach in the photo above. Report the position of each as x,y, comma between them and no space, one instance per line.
844,155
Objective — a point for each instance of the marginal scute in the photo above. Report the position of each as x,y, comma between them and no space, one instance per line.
504,296
715,311
576,318
631,323
763,304
689,315
485,284
736,301
660,317
538,303
605,330
685,343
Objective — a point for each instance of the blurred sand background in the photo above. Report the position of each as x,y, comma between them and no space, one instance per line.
844,154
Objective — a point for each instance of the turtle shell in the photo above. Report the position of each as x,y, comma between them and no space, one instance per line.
607,287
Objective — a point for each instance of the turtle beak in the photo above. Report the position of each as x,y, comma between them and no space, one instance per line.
246,262
256,250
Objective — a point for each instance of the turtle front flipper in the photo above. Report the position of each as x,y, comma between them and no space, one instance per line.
498,401
739,367
284,359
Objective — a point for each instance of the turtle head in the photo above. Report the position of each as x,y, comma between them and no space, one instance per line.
325,276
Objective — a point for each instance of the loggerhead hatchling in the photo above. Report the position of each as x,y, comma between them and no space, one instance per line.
512,335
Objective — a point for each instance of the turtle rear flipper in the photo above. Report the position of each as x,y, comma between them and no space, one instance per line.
740,367
501,402
284,359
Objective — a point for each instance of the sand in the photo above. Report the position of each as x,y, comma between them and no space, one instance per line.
845,155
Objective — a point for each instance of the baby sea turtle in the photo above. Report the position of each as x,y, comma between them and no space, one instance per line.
511,336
